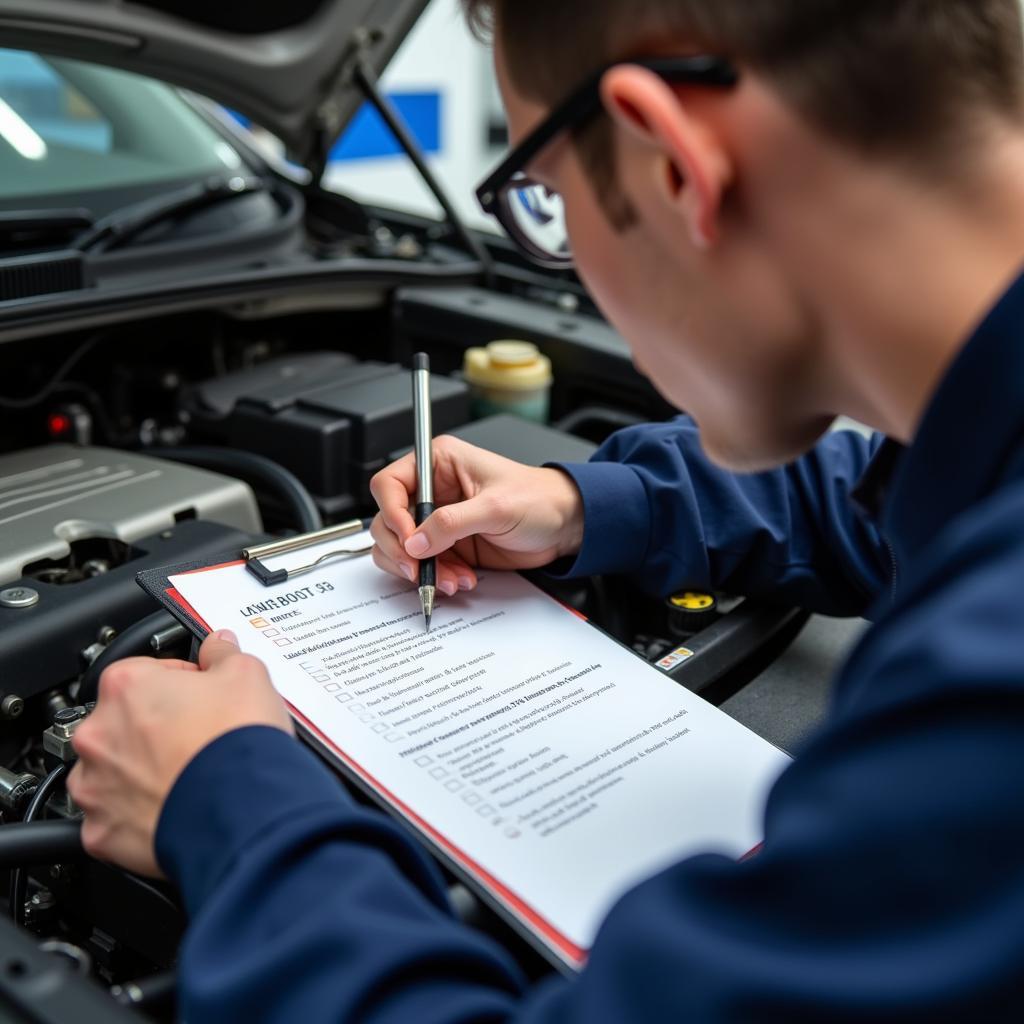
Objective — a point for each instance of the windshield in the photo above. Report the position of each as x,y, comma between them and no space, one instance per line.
77,134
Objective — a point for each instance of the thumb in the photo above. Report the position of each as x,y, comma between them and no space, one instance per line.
216,647
453,523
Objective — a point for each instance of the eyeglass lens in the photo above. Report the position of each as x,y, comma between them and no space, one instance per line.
538,217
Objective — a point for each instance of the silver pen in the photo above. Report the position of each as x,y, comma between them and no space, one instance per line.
424,474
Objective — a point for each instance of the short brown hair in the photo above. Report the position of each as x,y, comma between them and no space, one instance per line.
896,77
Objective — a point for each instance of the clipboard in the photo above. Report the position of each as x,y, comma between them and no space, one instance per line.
525,924
156,582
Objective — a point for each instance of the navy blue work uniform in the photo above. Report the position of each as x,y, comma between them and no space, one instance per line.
891,883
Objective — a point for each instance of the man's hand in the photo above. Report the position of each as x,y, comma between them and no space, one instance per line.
493,514
152,718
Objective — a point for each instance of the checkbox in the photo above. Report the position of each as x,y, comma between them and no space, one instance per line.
486,811
454,785
343,698
422,762
285,642
472,798
323,677
259,623
332,687
367,718
439,773
394,737
381,727
271,632
356,708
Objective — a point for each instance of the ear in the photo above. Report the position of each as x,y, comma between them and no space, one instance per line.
693,169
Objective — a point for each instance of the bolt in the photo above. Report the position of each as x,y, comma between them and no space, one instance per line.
106,634
92,652
11,706
19,597
38,904
15,790
64,722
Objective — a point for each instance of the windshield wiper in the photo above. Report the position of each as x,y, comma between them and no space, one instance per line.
121,227
30,229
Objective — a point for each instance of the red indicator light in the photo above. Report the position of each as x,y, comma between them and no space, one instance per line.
58,424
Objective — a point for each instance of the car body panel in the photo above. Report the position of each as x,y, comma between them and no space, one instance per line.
293,81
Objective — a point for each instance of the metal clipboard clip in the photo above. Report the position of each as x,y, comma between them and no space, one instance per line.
272,577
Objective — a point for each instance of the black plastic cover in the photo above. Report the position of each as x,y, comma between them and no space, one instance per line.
40,647
332,421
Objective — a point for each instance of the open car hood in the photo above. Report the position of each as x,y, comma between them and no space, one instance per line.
287,64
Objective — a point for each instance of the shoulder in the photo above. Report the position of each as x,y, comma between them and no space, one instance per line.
958,621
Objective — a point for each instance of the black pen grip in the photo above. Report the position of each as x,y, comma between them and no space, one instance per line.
428,569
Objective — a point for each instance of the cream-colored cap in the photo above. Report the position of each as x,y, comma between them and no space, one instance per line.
513,365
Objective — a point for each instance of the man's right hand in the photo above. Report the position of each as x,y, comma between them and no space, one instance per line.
492,513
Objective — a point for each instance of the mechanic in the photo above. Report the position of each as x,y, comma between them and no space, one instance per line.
837,232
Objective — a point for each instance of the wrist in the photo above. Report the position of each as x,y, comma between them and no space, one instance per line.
568,505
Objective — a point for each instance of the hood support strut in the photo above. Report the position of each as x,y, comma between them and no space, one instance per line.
365,80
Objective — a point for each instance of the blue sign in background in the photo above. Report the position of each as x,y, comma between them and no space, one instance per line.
368,137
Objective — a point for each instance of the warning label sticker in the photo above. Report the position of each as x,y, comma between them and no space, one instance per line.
677,657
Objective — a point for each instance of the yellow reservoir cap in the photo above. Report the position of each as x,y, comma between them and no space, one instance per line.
509,366
691,602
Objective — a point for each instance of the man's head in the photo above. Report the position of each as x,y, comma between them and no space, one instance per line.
703,220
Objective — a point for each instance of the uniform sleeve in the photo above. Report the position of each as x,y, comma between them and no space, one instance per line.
890,885
658,510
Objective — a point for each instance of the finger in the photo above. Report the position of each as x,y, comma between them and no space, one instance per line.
95,836
382,561
453,523
393,489
177,665
389,545
74,781
217,648
453,574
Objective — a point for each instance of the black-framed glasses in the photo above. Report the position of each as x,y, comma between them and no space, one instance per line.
533,216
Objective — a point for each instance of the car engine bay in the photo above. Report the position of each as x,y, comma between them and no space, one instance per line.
182,437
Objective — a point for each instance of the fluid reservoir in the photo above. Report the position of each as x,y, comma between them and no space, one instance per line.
689,613
509,377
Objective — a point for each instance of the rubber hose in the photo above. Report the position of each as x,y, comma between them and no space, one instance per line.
255,469
40,842
19,883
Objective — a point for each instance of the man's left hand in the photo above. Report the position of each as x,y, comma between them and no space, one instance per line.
151,719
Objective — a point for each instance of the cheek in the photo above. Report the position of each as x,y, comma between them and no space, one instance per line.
607,265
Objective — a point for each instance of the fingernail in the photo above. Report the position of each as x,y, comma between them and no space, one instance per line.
407,572
417,544
465,583
227,636
448,587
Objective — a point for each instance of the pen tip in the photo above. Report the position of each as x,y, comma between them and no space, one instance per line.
427,604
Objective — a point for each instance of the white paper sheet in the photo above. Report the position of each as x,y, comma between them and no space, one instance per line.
537,751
